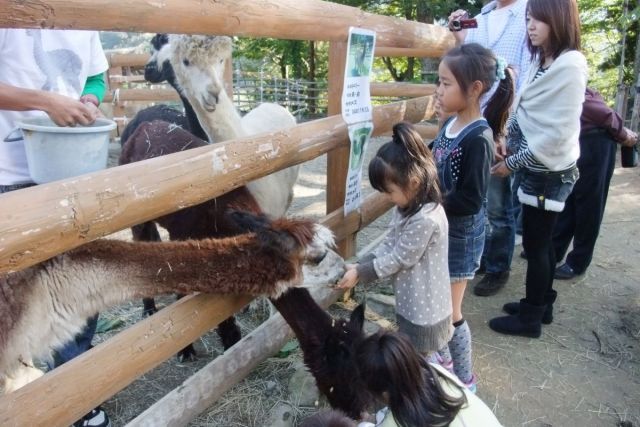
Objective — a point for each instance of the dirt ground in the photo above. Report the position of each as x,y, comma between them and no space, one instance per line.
583,371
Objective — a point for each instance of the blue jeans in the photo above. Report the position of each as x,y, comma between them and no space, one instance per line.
82,341
501,227
466,241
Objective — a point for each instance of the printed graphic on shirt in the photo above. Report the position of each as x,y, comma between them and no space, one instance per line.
58,65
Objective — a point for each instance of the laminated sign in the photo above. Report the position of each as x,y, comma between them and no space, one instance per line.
356,109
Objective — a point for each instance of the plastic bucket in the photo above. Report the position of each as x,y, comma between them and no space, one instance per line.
55,152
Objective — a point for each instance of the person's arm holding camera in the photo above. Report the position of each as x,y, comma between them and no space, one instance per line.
459,34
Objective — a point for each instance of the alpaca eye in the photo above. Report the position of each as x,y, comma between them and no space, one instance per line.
185,62
222,61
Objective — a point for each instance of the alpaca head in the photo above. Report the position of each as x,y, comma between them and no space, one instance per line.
158,69
334,366
198,63
301,239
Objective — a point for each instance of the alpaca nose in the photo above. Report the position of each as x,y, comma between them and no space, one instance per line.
210,99
151,72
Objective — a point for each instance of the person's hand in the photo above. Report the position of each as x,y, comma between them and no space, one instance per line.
65,111
500,147
500,169
458,35
350,278
632,138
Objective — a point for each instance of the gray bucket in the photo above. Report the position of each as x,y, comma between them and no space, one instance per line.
55,152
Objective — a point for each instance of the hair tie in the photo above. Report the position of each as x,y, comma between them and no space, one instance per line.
501,66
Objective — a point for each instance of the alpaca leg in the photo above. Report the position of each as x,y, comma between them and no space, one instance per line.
187,354
146,232
229,332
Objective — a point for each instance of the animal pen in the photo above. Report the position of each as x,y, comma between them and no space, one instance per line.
43,221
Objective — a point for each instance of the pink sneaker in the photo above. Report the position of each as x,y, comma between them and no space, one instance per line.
446,365
472,385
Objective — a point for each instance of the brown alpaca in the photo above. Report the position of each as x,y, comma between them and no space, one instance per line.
45,305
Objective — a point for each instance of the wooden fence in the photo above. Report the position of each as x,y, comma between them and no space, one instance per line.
40,222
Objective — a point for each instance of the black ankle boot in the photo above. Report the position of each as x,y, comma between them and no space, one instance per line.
547,317
526,323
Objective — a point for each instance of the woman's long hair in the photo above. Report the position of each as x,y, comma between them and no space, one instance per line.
563,19
388,363
402,159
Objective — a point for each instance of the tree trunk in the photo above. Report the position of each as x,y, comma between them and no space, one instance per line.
429,66
312,92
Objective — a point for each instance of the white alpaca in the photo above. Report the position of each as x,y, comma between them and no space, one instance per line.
46,305
198,63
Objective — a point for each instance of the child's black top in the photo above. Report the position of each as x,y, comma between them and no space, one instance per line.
471,167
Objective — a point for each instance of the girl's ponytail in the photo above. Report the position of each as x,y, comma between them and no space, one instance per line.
497,109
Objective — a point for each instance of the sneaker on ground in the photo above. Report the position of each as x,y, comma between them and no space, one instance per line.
472,385
491,283
96,418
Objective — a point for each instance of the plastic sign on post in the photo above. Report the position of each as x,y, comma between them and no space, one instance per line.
356,109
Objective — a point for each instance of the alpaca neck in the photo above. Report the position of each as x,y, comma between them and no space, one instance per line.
303,314
222,124
108,272
189,112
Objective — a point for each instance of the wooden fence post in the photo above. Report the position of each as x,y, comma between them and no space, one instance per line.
338,159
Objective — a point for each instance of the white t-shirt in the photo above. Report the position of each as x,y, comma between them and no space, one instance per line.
53,60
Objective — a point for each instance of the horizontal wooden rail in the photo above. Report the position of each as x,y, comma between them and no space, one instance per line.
411,90
283,19
158,95
39,222
138,60
399,52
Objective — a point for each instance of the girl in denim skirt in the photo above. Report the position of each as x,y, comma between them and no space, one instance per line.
463,151
414,253
545,127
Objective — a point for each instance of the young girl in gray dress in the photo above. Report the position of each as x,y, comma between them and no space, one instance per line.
414,253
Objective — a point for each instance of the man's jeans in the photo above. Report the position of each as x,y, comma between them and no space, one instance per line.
501,228
82,341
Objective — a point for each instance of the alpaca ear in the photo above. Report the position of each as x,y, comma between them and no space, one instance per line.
357,317
248,222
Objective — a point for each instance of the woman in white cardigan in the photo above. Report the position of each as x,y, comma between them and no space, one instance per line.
543,133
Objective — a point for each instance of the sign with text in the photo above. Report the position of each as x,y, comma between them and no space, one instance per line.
356,109
356,97
359,135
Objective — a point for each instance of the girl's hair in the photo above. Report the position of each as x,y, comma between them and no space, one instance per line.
388,362
328,418
471,62
402,159
563,20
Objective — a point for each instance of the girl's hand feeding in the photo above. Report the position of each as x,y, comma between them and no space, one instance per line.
350,278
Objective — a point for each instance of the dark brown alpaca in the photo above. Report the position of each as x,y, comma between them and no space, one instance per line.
206,220
328,348
47,304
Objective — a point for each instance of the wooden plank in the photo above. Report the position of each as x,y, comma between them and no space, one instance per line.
54,399
202,389
39,222
128,59
395,89
120,96
284,19
417,52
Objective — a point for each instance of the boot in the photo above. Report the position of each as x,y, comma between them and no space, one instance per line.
526,323
547,317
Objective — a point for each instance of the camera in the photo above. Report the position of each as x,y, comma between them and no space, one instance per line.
461,24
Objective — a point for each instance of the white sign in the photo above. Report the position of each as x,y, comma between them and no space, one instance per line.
356,97
356,109
359,135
